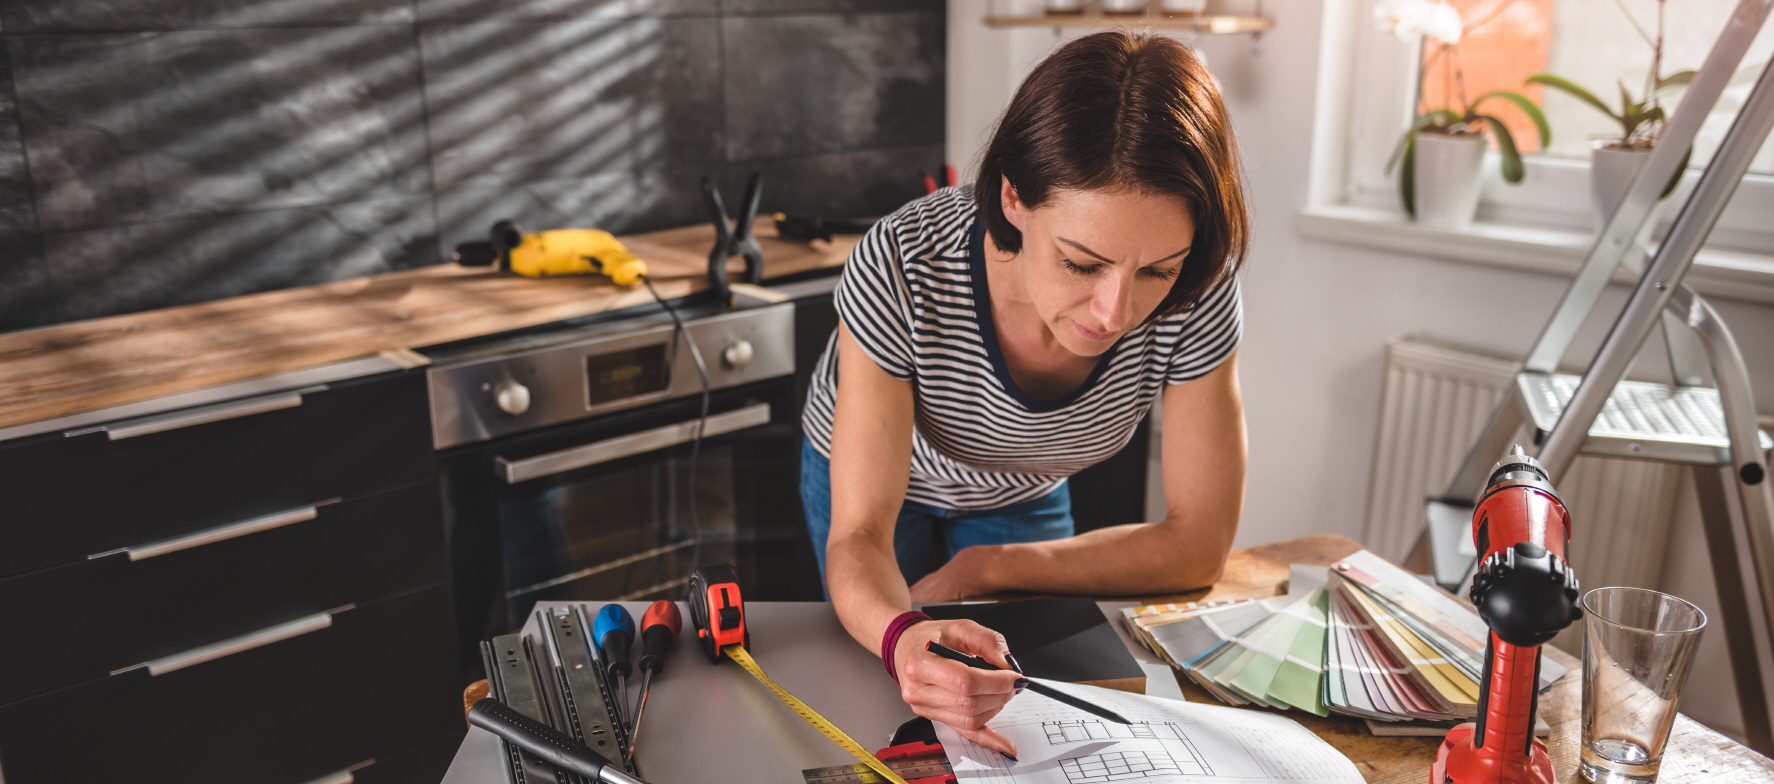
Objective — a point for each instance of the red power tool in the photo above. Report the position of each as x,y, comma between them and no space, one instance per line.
1527,594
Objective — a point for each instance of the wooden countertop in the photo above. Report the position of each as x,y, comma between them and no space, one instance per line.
88,365
1696,753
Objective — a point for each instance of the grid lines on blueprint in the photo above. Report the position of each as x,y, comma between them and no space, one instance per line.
1124,765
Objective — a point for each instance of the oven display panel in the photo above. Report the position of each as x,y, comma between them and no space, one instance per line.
624,374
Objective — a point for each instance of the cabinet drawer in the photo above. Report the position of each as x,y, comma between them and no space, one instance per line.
424,765
109,613
69,497
379,679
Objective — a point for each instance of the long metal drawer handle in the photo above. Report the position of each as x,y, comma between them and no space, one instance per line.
203,416
225,532
245,642
514,471
346,776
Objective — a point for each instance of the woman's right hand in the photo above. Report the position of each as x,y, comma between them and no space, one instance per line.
953,693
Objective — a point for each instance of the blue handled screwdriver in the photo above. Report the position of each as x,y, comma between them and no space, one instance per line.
614,633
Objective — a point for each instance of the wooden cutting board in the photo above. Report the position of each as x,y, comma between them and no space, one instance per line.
87,365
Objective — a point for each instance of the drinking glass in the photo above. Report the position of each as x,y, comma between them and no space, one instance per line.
1637,648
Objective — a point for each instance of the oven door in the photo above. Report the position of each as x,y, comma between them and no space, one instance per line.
602,509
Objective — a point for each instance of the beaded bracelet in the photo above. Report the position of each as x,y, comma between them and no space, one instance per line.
890,640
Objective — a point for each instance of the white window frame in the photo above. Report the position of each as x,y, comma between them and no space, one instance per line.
1363,104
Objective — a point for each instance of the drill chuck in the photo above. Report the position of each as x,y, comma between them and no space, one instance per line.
1526,594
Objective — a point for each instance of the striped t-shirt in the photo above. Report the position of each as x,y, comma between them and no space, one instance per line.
914,297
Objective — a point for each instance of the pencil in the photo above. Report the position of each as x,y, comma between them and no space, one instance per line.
1038,688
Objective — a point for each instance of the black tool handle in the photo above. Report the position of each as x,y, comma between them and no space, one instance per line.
723,249
744,243
659,626
614,646
655,642
543,741
717,212
748,206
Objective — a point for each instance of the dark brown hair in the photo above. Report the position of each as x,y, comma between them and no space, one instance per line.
1121,110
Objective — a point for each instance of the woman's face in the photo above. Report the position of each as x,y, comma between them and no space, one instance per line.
1096,263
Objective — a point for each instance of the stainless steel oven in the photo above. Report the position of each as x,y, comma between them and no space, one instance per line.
571,469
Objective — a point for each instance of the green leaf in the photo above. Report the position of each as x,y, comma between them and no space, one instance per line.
1407,176
1441,117
1639,116
1677,79
1680,169
1571,89
1512,168
1527,107
1404,142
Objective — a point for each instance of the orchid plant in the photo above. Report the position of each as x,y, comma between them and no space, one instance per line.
1641,120
1440,24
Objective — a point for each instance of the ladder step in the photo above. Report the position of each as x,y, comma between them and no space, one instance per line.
1641,420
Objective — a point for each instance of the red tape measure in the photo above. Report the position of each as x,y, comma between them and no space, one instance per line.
717,609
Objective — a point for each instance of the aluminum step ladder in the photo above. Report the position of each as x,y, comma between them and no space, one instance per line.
1711,429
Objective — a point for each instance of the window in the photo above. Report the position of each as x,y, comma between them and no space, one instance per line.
1594,43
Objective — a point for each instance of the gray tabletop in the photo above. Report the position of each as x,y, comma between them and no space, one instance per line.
709,722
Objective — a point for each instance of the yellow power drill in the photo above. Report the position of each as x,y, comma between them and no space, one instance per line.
552,253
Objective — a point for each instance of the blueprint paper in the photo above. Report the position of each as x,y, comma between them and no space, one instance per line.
1170,742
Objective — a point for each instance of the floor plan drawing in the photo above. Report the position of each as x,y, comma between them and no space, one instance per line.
1168,742
1059,732
1118,766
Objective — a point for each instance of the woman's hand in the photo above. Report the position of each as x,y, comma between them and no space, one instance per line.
963,576
951,692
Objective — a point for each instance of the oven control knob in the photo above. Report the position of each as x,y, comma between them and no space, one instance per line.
511,397
738,354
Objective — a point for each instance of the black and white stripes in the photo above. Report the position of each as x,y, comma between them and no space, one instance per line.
908,297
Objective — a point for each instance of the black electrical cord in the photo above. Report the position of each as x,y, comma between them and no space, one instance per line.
701,422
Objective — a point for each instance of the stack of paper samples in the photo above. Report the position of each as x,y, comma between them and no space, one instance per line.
1365,639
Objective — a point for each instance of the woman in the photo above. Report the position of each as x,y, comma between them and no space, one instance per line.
994,340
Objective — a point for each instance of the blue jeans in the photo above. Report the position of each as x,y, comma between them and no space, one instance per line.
926,537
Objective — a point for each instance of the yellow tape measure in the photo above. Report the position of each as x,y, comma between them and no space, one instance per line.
738,653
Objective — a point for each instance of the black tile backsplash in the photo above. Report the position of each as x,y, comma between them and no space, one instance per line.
478,10
162,263
829,83
63,16
17,213
25,296
567,99
163,152
749,7
146,126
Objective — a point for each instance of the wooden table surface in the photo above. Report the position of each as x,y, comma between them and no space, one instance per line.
84,366
1695,753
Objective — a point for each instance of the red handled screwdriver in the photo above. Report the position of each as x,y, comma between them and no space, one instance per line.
659,626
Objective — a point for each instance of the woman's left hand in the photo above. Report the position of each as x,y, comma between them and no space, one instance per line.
963,576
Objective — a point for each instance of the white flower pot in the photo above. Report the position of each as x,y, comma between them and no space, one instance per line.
1610,173
1447,179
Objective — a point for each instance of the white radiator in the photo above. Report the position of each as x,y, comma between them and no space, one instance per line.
1436,400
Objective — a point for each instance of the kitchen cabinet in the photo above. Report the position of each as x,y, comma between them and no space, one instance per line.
251,590
293,711
137,482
